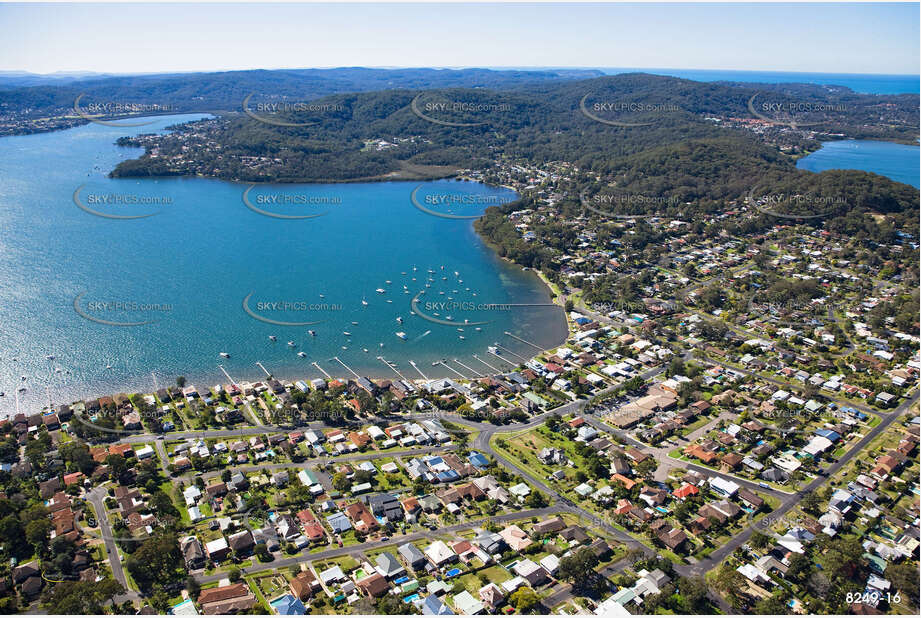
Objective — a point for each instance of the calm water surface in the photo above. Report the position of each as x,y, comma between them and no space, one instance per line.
896,161
124,304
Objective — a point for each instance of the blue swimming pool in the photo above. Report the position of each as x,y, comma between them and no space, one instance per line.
411,598
401,580
453,573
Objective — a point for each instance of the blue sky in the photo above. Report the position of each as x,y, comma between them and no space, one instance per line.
841,38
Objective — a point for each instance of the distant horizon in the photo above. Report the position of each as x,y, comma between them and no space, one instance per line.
853,38
77,72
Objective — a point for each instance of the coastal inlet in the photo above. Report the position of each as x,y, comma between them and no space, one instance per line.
194,247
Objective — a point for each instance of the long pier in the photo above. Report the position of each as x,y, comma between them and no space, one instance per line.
320,369
393,368
338,360
413,363
533,345
487,364
451,369
472,371
227,375
502,347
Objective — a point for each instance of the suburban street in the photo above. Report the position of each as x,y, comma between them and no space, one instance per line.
96,496
481,442
372,545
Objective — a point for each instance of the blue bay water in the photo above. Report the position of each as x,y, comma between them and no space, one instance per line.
858,82
187,269
899,162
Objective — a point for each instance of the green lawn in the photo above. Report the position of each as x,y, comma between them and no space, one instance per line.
250,580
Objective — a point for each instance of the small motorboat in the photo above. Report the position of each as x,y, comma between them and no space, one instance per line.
401,335
273,338
225,354
302,355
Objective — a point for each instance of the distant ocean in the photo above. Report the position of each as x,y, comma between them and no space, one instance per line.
865,83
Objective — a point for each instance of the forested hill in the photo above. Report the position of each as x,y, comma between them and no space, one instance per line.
694,144
225,91
594,123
